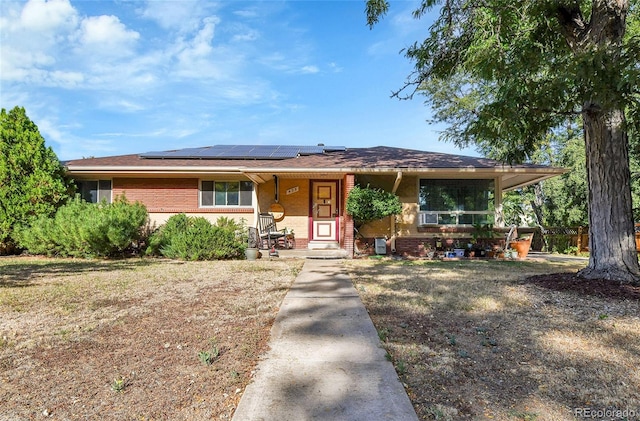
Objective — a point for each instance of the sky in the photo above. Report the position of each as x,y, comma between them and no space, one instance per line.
103,78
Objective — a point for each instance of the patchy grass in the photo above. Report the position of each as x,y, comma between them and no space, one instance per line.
89,339
477,340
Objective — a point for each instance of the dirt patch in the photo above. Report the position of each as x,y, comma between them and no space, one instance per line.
505,340
602,288
127,339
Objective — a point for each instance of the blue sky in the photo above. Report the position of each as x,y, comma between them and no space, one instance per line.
106,78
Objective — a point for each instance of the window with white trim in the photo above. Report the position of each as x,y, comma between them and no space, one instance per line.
456,201
226,193
94,191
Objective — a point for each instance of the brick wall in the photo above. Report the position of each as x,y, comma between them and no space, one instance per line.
165,197
348,238
160,194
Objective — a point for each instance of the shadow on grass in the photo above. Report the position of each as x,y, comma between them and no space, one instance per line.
475,339
22,272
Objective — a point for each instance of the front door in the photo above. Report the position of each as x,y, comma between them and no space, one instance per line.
324,211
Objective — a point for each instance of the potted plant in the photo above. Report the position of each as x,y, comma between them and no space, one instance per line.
522,245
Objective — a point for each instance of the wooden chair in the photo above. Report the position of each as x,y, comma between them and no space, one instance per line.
269,231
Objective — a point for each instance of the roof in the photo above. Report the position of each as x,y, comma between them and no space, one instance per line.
331,162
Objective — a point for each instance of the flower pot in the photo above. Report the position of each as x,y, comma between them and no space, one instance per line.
251,253
522,247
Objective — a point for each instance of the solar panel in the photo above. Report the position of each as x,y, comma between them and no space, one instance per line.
243,152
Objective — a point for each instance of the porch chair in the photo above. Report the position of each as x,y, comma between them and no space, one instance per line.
268,230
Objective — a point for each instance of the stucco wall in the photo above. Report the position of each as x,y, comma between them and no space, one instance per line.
406,223
296,205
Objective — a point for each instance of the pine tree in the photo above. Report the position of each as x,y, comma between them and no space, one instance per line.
32,179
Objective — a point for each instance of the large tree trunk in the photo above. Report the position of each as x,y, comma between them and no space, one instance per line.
612,246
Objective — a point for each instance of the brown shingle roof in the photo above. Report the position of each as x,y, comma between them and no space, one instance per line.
375,158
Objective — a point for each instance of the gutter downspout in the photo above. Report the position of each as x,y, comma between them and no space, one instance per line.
393,218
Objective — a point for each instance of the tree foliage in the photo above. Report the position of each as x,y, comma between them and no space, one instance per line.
367,204
82,229
32,180
501,74
505,74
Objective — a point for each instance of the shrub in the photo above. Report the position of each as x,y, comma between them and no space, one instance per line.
367,204
195,238
161,238
82,229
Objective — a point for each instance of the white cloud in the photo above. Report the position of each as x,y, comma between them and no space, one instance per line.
181,16
31,36
335,67
246,35
195,56
66,79
248,13
107,35
309,70
104,29
47,16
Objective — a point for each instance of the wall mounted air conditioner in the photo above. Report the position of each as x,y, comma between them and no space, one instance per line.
428,219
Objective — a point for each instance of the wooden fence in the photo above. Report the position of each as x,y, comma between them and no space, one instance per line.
562,238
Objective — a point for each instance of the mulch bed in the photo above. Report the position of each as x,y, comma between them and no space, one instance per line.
590,287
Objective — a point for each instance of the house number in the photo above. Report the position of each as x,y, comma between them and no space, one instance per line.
293,190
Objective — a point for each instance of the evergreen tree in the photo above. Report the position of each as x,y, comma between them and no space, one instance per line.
32,180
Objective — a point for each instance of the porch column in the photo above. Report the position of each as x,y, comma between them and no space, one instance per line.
499,218
396,184
349,183
256,206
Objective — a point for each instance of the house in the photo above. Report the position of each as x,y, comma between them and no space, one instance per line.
306,187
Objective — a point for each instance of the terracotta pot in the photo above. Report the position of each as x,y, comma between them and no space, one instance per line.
522,247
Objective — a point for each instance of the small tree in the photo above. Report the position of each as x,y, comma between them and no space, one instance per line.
32,180
366,204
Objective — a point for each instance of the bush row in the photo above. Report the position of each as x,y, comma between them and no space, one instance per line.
81,229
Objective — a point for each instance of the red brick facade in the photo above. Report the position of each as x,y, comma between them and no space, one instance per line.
348,238
167,195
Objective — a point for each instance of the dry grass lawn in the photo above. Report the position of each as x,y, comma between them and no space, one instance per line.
476,340
133,339
157,339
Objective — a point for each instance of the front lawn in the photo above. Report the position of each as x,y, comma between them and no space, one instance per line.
133,339
477,340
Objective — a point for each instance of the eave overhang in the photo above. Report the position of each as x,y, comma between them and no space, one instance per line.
511,177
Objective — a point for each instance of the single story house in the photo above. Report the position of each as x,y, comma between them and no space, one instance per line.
306,187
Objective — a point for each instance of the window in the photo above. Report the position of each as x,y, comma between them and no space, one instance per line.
94,191
226,193
456,202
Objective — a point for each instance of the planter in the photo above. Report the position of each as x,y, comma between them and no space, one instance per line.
251,253
459,252
522,247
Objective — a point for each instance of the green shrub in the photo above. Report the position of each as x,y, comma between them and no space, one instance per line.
367,204
161,238
82,229
195,238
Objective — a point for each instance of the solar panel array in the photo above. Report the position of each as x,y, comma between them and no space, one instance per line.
243,152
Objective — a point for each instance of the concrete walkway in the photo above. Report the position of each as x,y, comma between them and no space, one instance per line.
326,361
